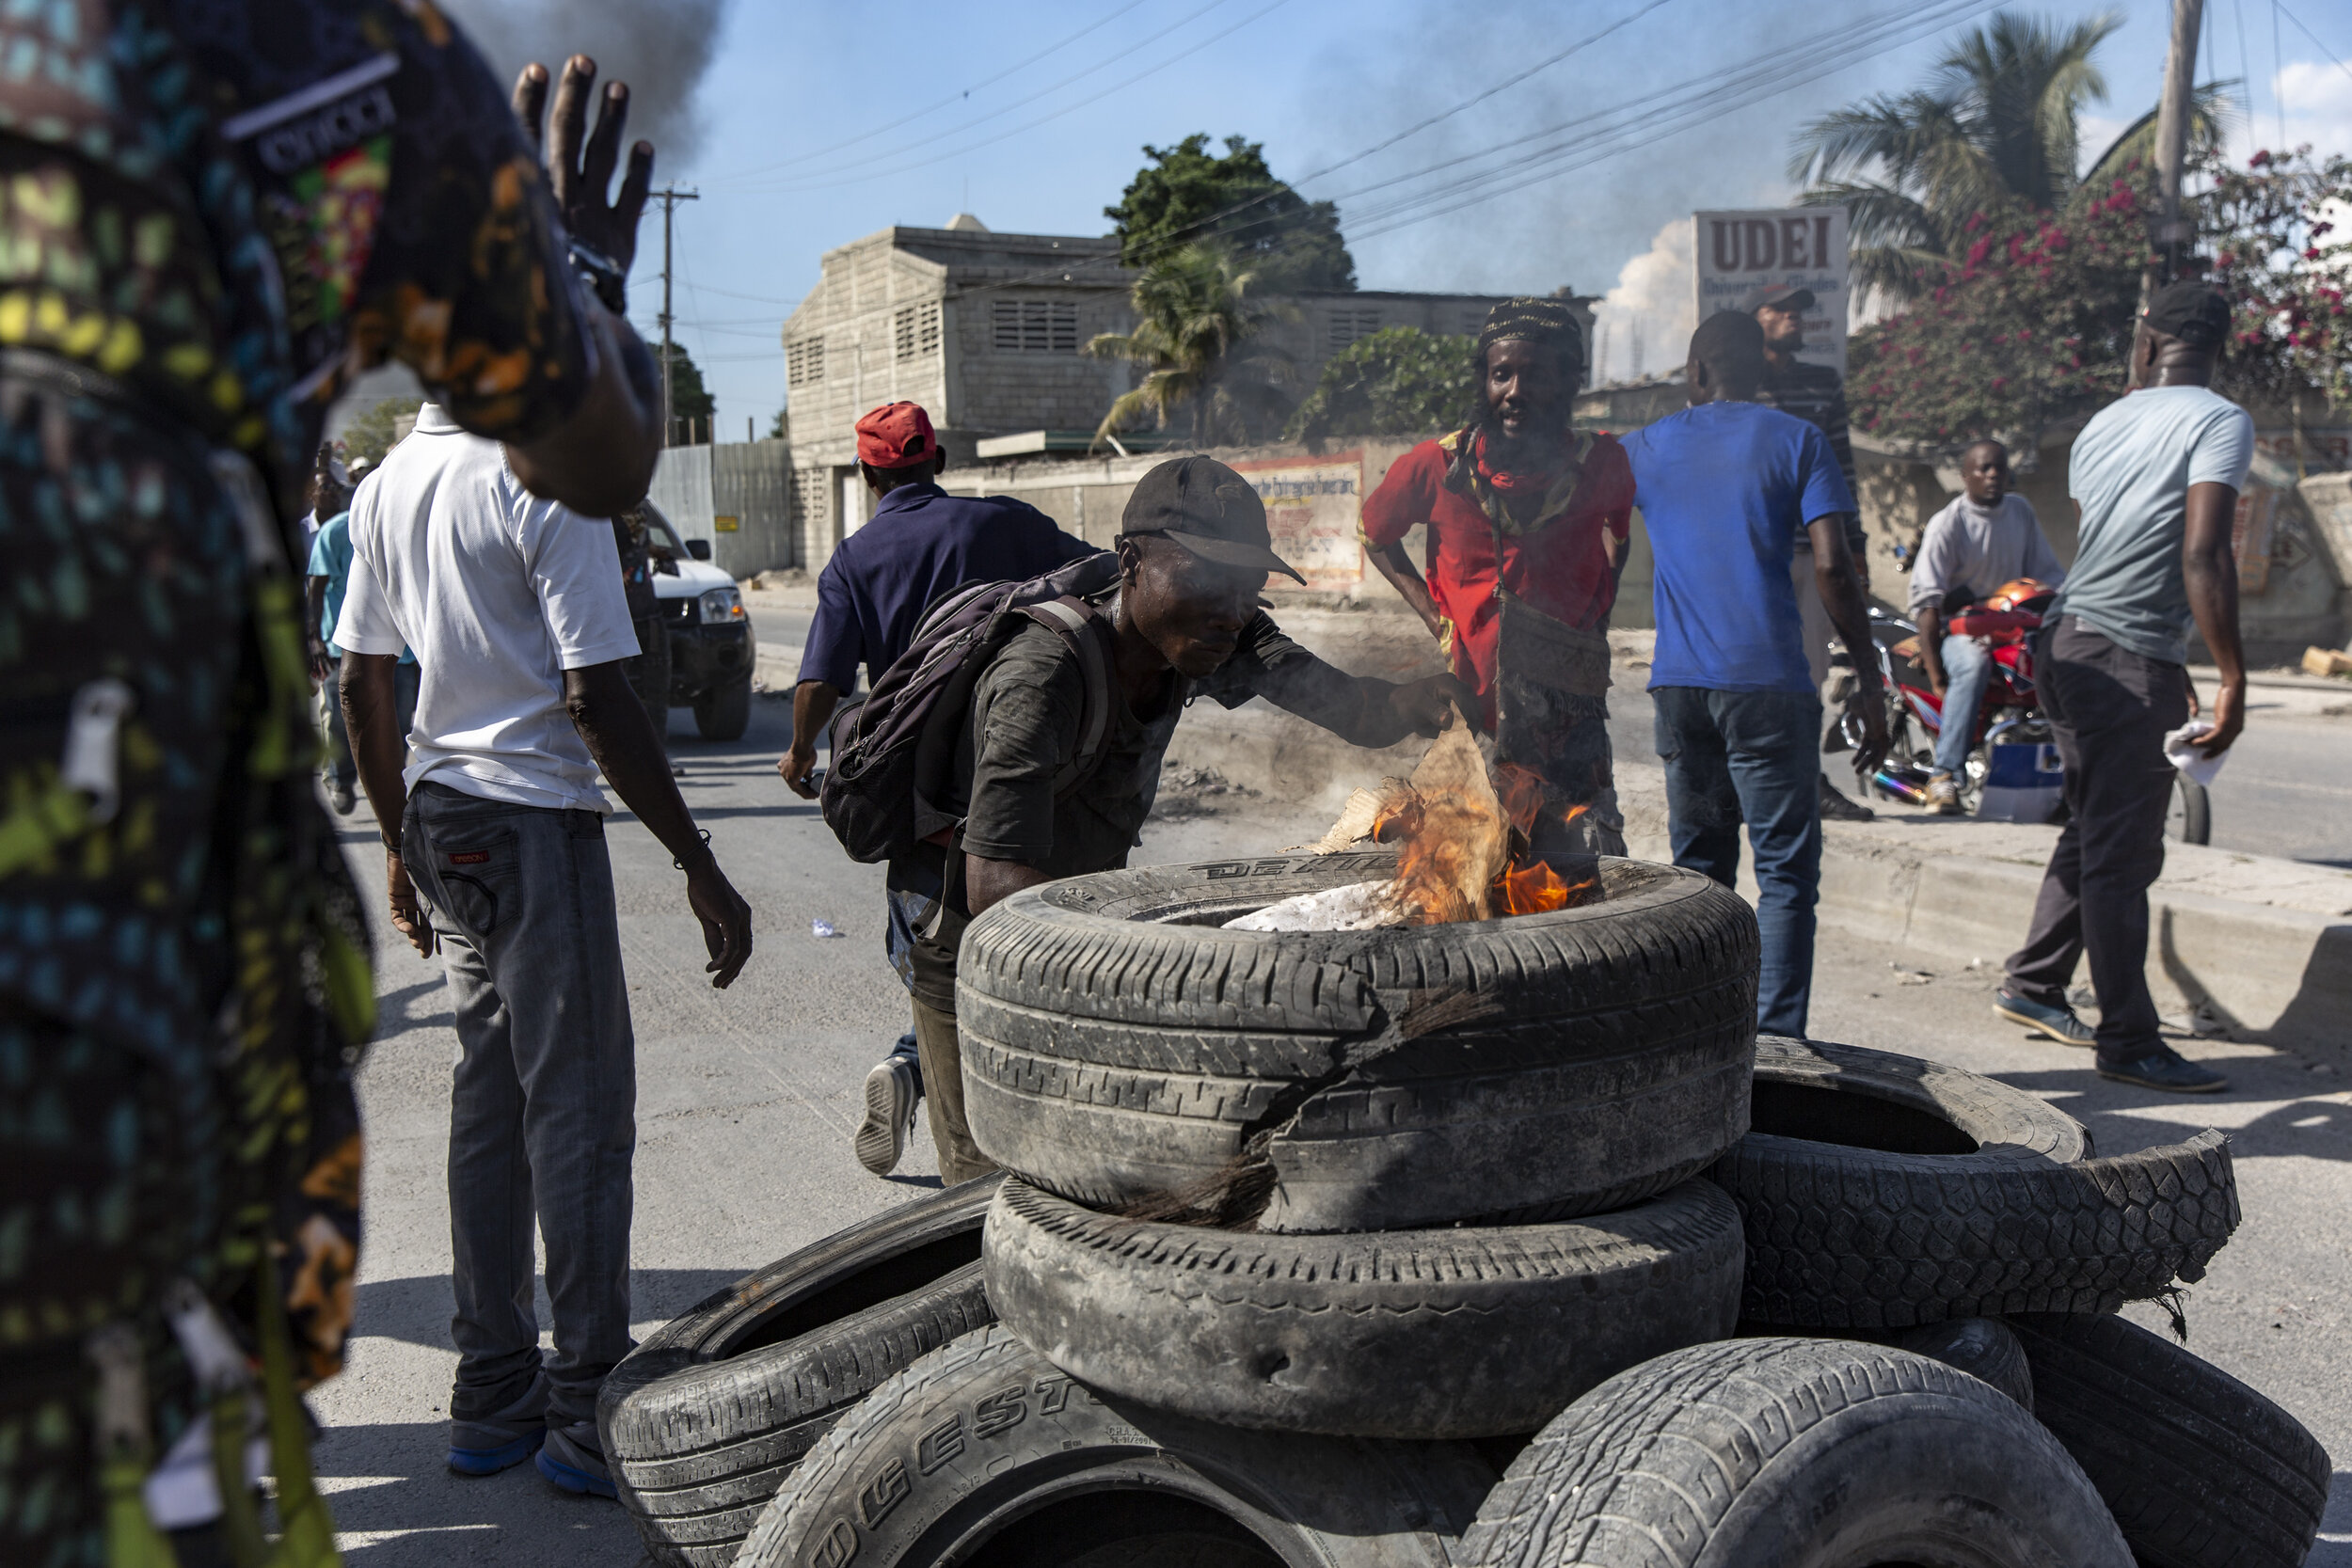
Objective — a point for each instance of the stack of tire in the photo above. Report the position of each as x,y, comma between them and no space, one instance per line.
1307,1232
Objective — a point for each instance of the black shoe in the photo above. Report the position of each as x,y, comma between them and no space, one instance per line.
1836,808
2058,1024
2166,1068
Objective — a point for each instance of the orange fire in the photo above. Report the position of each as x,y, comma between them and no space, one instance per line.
1445,840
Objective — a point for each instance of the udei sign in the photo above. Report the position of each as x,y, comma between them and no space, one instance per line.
1739,255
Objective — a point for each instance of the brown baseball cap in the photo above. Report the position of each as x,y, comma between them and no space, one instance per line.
1782,296
1210,510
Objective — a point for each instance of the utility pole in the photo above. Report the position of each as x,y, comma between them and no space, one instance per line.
2172,231
668,195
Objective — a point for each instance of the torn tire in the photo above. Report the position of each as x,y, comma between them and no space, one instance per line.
2200,1470
1122,1050
1455,1333
703,1422
984,1451
1883,1192
1816,1451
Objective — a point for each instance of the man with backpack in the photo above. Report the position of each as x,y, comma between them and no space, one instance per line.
1025,743
920,545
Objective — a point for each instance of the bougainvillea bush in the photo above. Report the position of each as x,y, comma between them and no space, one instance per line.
2034,324
2285,267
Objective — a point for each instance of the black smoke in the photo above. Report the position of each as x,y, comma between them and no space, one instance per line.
661,48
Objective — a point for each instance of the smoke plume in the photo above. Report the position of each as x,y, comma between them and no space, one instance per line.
1654,303
661,48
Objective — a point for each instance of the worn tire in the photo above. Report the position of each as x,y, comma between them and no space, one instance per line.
1984,1348
2200,1470
983,1451
1455,1332
702,1422
1120,1048
1822,1452
1884,1192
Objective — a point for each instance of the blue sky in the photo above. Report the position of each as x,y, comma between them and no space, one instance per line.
795,151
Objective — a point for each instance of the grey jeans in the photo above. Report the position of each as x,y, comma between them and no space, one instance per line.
542,1110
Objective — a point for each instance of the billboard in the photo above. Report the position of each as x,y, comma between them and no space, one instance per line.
1736,254
1311,506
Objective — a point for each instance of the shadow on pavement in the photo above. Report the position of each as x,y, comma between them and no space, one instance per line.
394,1502
2303,1113
417,1309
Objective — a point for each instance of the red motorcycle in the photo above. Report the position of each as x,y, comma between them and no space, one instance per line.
2010,713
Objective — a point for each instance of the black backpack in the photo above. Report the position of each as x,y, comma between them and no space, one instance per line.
893,750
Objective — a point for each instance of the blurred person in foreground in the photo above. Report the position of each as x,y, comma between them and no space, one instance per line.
1986,537
2154,477
920,545
1177,618
1727,488
1527,523
1816,394
218,215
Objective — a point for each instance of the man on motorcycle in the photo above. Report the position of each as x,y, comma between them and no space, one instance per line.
1986,537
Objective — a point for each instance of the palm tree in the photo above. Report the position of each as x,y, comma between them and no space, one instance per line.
1196,331
1997,130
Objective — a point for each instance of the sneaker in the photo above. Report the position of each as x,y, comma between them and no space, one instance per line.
2166,1068
573,1458
501,1442
338,796
1836,808
1944,796
2058,1024
890,1096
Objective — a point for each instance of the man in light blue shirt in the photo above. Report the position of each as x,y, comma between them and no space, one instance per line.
328,573
2156,478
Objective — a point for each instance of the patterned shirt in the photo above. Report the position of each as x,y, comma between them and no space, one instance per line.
231,208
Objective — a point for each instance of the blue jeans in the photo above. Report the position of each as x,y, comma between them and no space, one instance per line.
543,1109
1752,757
1968,668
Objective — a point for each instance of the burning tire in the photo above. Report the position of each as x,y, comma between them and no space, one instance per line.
2200,1470
1122,1051
985,1453
1819,1451
703,1421
1468,1332
1885,1192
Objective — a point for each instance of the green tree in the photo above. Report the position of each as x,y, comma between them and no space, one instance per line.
691,403
1992,140
1399,381
372,434
1184,195
1197,338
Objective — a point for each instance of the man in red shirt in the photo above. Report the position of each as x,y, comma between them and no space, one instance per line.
1519,486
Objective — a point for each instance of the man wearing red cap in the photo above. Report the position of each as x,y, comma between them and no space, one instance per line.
920,544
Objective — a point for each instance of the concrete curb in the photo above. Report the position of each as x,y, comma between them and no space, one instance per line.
2253,965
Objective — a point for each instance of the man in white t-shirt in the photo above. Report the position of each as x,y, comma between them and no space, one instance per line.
515,608
2154,477
1986,537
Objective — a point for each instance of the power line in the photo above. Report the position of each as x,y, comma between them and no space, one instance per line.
2278,81
948,101
2246,69
1666,114
2315,37
828,182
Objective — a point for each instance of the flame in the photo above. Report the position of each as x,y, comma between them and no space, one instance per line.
1521,792
1442,838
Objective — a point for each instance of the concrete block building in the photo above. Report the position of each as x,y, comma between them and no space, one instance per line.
985,331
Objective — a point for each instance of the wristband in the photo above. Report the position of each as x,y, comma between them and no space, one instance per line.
606,279
703,833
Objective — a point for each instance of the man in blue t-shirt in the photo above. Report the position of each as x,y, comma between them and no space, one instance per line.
328,574
920,544
1727,488
2154,477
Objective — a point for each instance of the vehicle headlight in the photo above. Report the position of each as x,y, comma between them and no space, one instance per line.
721,606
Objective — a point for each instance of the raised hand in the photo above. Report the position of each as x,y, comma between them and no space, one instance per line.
580,162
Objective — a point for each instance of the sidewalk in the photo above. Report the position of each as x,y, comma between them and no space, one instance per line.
2252,946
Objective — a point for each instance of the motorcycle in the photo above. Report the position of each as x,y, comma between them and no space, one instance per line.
2009,714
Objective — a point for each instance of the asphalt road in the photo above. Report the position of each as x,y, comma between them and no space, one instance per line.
746,1100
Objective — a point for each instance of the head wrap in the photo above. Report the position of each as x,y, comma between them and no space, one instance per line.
1552,322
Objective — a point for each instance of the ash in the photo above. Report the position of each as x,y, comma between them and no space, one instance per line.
1359,907
1189,793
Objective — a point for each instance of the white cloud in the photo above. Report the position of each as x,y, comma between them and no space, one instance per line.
2318,99
1653,304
